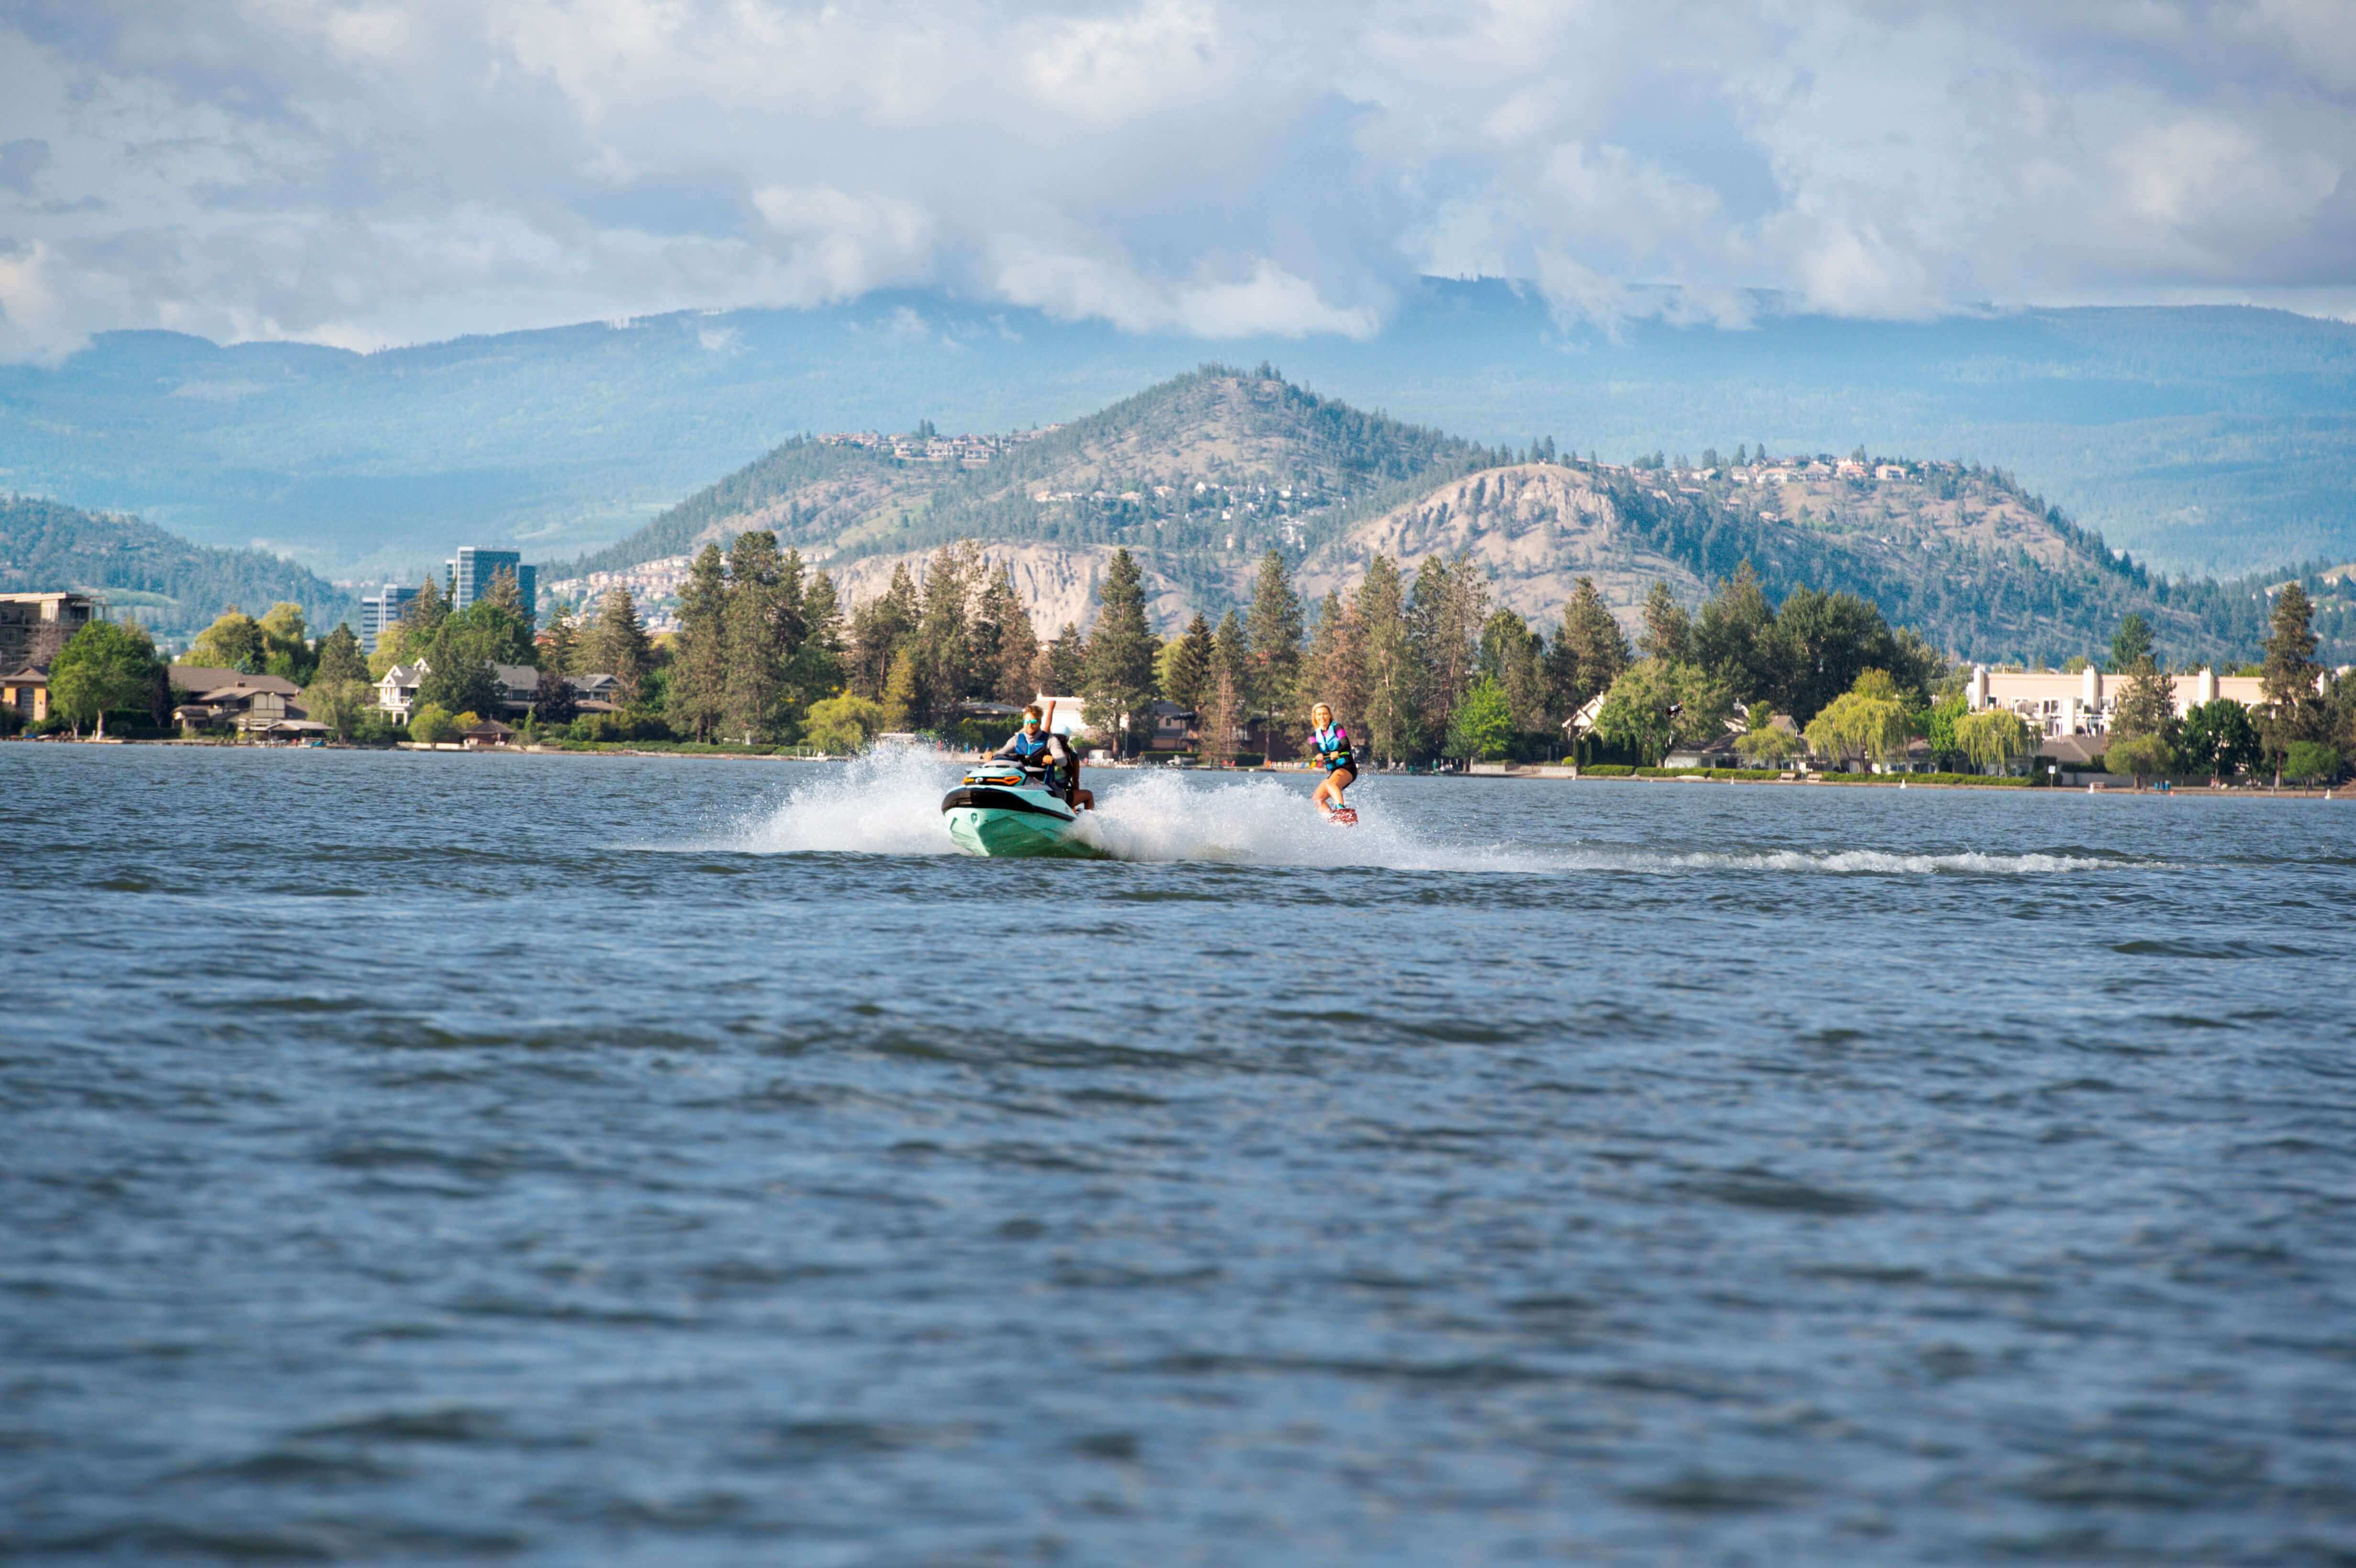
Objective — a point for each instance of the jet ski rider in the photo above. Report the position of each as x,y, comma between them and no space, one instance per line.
1332,746
1037,749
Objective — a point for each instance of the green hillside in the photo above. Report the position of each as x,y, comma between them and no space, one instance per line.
1203,473
174,587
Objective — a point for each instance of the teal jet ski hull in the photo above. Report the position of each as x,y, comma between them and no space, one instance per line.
1013,823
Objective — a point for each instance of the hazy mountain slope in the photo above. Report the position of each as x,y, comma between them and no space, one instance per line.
176,588
1965,560
1203,473
2215,437
1205,469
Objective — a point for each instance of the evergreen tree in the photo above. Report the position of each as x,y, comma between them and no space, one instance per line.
2294,707
617,644
1007,647
560,642
554,702
1395,678
943,643
1514,656
1186,665
1067,662
1823,642
1444,617
341,658
1734,638
2148,705
1119,679
1669,632
458,675
817,673
1589,653
754,679
900,691
1335,671
2131,643
878,630
699,670
1274,682
423,615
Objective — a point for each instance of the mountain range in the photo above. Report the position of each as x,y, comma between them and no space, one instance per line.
2201,439
1200,475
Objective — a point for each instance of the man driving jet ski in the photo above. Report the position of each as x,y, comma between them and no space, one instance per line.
1035,748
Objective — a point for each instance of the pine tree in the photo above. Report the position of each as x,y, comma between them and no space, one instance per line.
2289,677
1010,672
1734,637
423,616
560,644
341,658
878,629
754,667
2148,705
900,691
1395,680
1186,665
1274,682
1067,662
817,671
698,669
617,644
1334,673
2131,643
1668,633
1119,679
1589,653
943,643
1444,619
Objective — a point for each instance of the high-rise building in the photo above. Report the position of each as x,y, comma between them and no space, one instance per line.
380,611
470,573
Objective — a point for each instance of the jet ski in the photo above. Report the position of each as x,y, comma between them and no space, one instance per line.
1001,810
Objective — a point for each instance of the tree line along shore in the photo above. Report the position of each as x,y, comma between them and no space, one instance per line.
1423,668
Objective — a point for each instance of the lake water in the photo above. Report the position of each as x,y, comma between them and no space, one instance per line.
645,1160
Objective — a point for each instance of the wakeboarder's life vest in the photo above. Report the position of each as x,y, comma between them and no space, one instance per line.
1332,744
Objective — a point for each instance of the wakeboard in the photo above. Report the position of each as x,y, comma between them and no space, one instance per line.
1346,817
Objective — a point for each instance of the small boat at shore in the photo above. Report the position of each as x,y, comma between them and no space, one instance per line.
998,810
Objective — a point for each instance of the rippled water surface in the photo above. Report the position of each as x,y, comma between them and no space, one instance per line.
642,1161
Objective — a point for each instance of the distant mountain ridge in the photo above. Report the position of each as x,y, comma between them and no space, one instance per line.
173,587
1202,474
2203,438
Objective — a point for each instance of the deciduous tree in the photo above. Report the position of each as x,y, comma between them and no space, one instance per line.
105,667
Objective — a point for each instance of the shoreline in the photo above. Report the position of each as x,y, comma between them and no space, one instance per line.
1536,774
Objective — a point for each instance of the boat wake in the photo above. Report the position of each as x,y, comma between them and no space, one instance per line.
888,802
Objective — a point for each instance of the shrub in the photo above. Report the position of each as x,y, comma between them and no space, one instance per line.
2310,762
431,725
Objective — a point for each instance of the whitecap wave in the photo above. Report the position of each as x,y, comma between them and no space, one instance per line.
888,802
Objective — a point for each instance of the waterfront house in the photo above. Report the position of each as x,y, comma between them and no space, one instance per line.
27,691
34,626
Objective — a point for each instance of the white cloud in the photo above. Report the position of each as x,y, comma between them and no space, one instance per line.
364,172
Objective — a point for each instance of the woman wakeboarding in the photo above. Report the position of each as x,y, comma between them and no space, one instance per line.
1332,746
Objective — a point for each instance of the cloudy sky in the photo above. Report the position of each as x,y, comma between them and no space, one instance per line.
366,173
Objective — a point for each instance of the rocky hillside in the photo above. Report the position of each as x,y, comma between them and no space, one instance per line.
1200,475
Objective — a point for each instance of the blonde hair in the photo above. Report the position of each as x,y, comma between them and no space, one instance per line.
1031,710
1317,707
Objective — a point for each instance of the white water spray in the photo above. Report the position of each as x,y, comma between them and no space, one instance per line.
888,802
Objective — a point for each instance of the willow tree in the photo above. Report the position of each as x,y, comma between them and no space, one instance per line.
1994,737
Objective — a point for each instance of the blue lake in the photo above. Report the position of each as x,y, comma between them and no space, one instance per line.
646,1160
